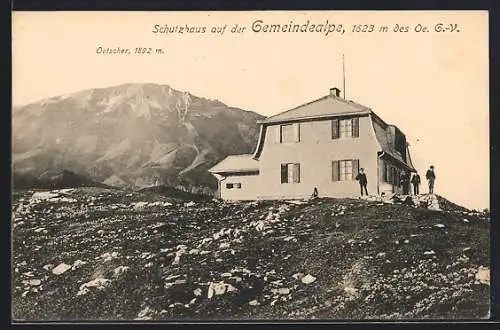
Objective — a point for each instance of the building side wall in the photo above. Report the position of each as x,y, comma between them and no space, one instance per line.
250,187
315,152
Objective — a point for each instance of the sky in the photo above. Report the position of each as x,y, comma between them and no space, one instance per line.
434,86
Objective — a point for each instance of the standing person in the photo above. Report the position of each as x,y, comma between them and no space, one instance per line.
361,177
431,177
407,181
404,181
415,180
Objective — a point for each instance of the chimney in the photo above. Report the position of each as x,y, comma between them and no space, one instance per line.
335,92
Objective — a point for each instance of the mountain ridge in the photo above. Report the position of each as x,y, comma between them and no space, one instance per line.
134,134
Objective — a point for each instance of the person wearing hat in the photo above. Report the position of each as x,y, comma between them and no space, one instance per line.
404,181
431,177
415,180
361,177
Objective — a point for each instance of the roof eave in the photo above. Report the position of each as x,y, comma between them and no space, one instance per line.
408,166
239,170
317,117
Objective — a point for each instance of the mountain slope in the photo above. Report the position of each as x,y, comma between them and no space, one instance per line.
134,135
140,257
54,180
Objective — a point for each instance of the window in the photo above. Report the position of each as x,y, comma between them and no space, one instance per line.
290,173
233,185
289,133
387,172
400,144
390,174
344,170
394,175
345,128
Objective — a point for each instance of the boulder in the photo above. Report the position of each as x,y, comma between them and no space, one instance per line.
60,269
308,279
483,275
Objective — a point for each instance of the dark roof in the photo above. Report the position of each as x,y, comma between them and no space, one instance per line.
386,137
332,106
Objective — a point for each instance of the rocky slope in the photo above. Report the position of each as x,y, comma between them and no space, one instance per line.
147,257
132,135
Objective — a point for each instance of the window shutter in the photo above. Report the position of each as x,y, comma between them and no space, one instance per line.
335,129
296,173
284,173
355,127
355,168
335,170
277,130
297,132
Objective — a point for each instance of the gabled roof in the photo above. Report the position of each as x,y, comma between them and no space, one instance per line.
235,164
332,106
326,106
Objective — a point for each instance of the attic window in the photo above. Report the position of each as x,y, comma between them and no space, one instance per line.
400,145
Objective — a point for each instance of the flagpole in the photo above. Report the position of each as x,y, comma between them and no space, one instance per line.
343,74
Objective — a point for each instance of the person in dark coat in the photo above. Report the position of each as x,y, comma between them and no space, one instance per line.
404,180
431,177
361,177
415,180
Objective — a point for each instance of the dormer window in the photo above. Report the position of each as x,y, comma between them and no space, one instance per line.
345,128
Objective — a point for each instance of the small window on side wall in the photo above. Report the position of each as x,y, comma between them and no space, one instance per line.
290,173
233,185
